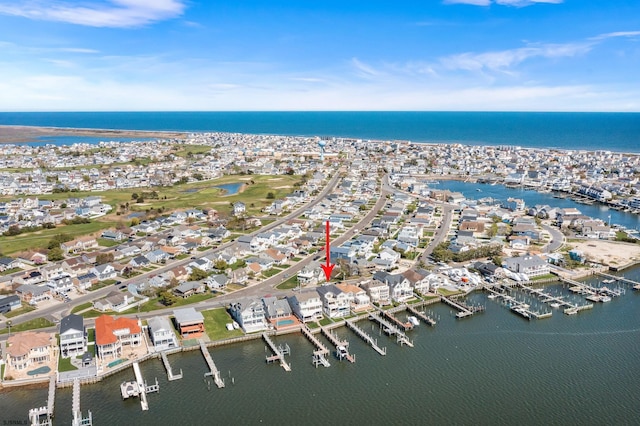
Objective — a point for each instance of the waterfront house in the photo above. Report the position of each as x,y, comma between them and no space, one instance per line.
30,349
335,302
276,309
378,292
73,340
399,286
249,314
530,265
358,298
418,279
306,305
161,334
113,335
189,322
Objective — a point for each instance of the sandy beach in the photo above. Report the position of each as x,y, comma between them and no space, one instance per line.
21,134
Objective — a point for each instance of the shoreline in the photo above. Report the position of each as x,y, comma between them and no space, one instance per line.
10,134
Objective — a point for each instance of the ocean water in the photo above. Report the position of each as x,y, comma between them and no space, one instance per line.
611,131
492,368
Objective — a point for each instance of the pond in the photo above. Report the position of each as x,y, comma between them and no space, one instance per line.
230,188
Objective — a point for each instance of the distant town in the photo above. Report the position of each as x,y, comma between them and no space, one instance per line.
118,251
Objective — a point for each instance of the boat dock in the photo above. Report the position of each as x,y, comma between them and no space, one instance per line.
78,420
519,307
364,336
634,284
320,354
391,329
43,415
423,316
213,370
463,310
404,326
342,346
278,352
167,366
141,387
594,294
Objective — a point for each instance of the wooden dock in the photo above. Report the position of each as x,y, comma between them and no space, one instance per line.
278,352
519,307
391,329
464,311
364,336
404,326
634,284
213,370
342,346
43,415
423,316
141,387
320,354
167,366
78,420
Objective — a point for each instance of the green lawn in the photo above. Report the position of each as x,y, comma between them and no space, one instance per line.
29,325
25,308
64,364
154,303
445,292
290,283
91,335
215,321
103,242
92,313
101,284
81,307
10,271
271,272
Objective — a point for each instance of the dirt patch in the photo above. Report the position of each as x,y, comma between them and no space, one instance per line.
608,252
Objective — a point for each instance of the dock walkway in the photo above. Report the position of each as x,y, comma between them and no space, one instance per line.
342,346
519,307
320,354
634,284
141,387
423,316
464,311
167,366
364,336
391,329
78,420
43,415
213,370
278,352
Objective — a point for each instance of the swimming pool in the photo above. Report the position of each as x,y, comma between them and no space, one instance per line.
280,323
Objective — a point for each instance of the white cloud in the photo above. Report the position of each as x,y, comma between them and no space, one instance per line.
515,3
629,34
364,70
505,59
114,13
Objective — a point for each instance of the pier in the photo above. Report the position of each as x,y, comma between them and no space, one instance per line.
320,354
423,316
278,352
167,366
141,387
392,329
634,284
364,336
404,326
78,420
464,311
43,415
594,294
342,346
518,307
213,370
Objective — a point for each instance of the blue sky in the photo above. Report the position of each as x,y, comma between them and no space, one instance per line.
454,55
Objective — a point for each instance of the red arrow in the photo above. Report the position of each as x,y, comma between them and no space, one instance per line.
328,267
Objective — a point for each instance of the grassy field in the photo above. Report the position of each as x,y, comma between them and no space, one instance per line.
292,282
29,325
25,308
215,321
196,195
81,307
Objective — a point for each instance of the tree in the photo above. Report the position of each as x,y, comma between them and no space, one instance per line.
59,239
134,196
55,254
493,230
167,298
103,258
135,221
197,274
220,264
270,196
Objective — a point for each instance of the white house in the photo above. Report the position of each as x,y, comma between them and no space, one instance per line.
73,341
161,334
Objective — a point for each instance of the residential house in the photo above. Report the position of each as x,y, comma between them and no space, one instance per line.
189,322
399,286
73,340
114,334
104,272
33,294
276,309
306,305
190,288
249,314
531,266
358,298
378,292
29,349
9,303
335,302
161,334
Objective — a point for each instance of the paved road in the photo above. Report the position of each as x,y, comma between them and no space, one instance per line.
60,310
557,239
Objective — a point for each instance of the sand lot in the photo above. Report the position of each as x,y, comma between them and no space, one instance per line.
608,252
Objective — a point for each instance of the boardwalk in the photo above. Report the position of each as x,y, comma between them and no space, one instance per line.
364,336
423,316
141,387
78,420
43,415
213,370
320,354
464,311
278,352
392,329
634,284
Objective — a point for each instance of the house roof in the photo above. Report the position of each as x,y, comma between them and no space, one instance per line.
21,343
186,316
71,322
106,325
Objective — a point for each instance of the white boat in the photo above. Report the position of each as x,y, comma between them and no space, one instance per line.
555,305
605,298
413,320
492,296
